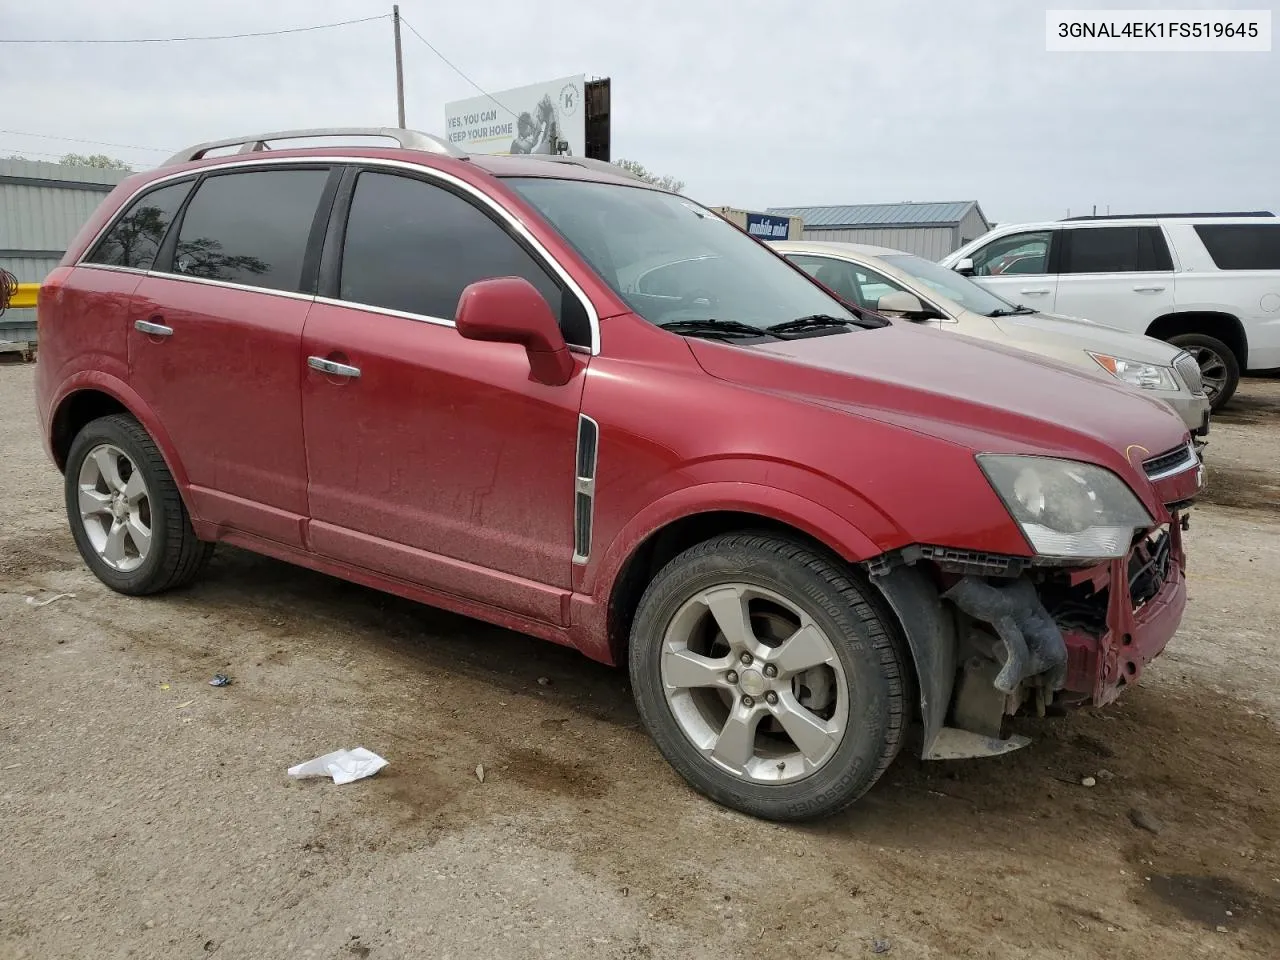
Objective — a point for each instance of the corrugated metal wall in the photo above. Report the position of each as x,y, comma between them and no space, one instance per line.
42,207
932,243
971,228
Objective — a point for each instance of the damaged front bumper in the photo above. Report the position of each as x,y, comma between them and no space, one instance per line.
992,636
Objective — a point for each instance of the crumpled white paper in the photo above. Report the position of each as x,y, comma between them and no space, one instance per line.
343,765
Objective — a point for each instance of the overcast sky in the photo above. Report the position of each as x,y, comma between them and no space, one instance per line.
751,103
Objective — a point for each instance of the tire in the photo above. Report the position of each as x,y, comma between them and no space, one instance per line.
1217,363
110,513
784,586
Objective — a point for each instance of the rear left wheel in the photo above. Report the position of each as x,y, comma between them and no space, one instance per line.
125,511
767,677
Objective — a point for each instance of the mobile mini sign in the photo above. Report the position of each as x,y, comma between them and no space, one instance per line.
545,118
767,227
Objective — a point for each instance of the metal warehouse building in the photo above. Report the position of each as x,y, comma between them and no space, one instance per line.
930,230
42,207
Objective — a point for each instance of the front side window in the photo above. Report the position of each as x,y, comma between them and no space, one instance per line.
671,260
1242,246
250,228
135,238
1018,253
852,282
413,246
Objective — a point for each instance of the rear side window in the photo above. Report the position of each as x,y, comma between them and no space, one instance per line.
250,228
135,238
414,246
1114,250
1242,246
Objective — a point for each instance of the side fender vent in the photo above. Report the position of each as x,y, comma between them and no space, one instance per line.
584,487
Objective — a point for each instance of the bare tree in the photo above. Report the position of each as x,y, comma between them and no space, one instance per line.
638,169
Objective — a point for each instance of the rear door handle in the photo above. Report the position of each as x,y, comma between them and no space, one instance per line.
332,368
1148,289
1036,291
153,329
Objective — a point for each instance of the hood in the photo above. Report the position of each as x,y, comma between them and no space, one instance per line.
976,394
1031,329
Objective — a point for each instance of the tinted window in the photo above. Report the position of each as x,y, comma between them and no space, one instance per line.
136,236
1016,253
250,228
415,247
1153,250
1242,246
1101,250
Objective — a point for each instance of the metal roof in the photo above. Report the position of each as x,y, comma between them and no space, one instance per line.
883,214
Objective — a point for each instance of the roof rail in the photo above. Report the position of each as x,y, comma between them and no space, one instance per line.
407,139
588,163
1170,216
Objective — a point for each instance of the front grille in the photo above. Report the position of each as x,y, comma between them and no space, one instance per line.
1170,462
1189,372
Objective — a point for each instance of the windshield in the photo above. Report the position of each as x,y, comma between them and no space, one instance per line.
672,260
949,283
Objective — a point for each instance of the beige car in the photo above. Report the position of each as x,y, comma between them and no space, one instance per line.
899,284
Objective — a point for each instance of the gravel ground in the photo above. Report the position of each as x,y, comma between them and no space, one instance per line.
147,814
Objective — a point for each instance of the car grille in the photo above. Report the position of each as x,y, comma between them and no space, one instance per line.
1170,462
1189,372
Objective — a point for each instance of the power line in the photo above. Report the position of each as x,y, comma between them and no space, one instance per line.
96,143
22,150
225,36
454,67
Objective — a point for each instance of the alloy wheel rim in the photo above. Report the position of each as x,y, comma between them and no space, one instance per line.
115,508
754,683
1213,370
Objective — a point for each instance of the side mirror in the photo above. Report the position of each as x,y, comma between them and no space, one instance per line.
900,302
964,266
511,310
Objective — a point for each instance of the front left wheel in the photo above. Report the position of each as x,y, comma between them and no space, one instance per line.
768,676
125,511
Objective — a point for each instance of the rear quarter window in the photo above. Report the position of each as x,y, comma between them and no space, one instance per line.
1242,246
135,238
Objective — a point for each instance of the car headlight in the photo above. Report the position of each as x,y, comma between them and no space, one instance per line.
1148,376
1067,509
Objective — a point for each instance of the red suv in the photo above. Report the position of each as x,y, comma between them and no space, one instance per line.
540,393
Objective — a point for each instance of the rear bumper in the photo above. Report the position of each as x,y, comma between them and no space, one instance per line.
1102,663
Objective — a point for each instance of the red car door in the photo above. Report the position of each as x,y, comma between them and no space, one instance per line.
432,458
215,340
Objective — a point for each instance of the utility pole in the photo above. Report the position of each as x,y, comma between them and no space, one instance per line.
395,23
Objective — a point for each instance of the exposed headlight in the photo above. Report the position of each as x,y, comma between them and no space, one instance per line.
1148,376
1067,509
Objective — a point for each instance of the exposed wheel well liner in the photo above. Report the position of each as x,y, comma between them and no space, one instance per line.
1222,326
76,410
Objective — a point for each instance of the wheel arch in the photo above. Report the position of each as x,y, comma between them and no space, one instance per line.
1212,323
650,541
98,395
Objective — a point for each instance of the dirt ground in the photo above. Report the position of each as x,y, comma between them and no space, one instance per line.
145,813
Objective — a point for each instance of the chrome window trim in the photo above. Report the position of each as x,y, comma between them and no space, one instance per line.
421,172
112,267
229,285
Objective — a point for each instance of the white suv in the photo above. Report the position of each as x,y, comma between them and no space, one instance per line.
1209,283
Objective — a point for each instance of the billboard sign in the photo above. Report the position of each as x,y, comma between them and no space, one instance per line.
545,118
766,227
